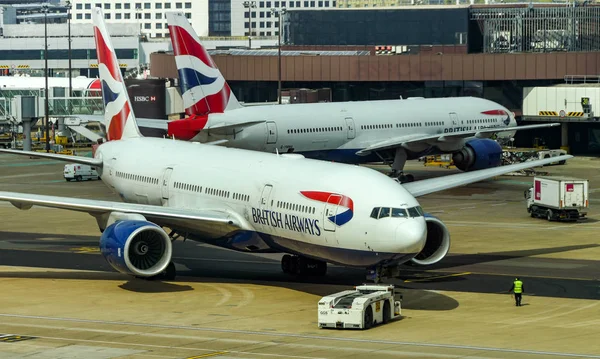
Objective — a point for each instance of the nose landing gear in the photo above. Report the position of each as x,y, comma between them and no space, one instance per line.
379,273
303,266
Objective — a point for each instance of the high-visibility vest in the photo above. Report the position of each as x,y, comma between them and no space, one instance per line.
518,286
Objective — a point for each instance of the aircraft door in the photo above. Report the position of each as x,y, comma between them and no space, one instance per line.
165,183
266,196
453,118
330,212
271,132
350,127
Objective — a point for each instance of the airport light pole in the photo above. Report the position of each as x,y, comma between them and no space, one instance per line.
69,39
278,13
45,10
249,5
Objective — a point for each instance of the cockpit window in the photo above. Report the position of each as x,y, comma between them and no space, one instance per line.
414,212
375,212
385,212
399,212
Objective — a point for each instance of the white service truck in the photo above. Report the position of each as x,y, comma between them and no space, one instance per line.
360,308
79,172
558,198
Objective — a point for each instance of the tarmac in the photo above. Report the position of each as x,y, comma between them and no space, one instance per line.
61,299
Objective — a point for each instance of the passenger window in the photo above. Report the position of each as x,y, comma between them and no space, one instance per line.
399,212
375,212
385,212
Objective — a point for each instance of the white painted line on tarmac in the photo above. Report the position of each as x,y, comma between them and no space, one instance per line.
289,335
33,174
317,347
467,207
499,204
453,205
196,349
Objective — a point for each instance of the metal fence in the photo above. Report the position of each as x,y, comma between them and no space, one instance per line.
538,29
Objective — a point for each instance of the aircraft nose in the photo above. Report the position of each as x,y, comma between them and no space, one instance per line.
411,235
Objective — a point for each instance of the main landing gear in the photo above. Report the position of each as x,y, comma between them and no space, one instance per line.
397,165
401,177
302,265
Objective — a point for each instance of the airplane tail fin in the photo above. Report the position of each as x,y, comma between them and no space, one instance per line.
118,114
202,85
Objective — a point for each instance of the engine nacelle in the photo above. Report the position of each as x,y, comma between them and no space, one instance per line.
437,244
138,248
478,154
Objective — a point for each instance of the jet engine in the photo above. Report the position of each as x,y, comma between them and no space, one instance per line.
436,245
135,247
478,154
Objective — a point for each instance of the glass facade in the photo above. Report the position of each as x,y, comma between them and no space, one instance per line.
378,27
219,18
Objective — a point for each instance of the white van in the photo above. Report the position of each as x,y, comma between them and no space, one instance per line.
80,172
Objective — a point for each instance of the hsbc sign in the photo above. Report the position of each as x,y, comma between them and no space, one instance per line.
148,97
144,98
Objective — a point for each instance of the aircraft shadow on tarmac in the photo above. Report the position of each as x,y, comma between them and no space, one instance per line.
199,263
414,299
195,265
456,260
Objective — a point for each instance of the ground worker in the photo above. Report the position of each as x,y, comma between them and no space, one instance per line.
517,289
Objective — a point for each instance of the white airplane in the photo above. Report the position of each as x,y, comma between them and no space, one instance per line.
391,131
314,211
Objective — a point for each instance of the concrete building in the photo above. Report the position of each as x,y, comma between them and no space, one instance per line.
28,12
149,16
264,23
22,48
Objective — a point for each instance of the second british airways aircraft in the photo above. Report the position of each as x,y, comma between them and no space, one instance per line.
390,131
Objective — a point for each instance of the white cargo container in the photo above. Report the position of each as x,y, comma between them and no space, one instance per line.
559,98
361,308
558,198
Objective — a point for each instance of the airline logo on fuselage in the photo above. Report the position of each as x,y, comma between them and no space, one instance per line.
291,222
469,128
336,203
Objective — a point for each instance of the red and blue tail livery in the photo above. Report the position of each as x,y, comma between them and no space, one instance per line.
341,216
203,88
118,116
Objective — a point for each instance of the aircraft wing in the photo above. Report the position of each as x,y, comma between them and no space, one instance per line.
97,208
222,127
66,158
142,122
432,185
432,140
